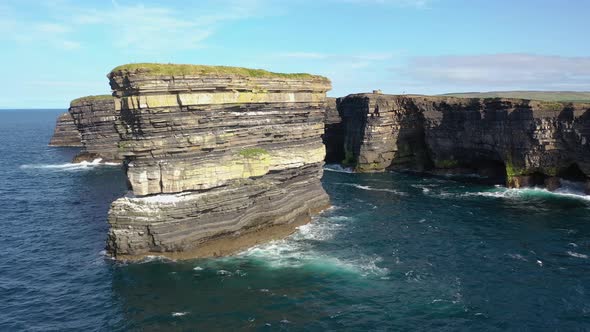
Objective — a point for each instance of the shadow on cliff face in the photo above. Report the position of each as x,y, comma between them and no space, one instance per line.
460,138
412,150
354,119
510,142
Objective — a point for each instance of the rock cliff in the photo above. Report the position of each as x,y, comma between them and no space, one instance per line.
217,158
521,142
95,117
334,133
65,133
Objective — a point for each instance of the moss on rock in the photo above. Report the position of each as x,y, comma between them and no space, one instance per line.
163,69
253,152
446,163
90,99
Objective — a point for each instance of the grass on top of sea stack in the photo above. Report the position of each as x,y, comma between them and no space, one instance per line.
162,69
90,99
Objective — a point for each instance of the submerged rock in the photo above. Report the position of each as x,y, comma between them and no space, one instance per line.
65,133
519,142
218,158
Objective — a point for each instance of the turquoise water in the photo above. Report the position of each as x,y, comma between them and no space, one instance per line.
396,252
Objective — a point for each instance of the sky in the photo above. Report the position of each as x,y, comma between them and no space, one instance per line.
53,51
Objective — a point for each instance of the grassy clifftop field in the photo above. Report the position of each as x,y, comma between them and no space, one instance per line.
559,96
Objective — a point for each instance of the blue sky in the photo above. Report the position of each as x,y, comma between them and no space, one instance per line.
56,50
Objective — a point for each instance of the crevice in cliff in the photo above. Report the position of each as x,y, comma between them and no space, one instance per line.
572,173
161,178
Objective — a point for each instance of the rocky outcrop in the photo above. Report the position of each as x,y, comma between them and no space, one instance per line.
523,142
334,133
218,158
95,117
65,133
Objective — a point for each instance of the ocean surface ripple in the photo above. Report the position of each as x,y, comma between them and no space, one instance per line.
395,252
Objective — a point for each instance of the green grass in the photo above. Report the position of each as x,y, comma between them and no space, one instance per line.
169,69
253,152
349,159
91,98
553,96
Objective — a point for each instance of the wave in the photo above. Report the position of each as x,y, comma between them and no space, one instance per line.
299,251
180,314
368,188
337,168
527,193
84,165
577,255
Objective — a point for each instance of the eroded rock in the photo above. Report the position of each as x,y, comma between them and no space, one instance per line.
216,160
65,133
95,117
524,142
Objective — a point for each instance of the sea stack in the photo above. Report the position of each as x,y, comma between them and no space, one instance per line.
523,142
65,133
95,117
217,158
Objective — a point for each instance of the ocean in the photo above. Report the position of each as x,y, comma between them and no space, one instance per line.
395,252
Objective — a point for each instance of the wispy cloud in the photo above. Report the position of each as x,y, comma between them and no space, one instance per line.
398,3
498,71
339,57
129,24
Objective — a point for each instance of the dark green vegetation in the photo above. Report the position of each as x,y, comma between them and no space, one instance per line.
556,96
252,152
184,69
90,98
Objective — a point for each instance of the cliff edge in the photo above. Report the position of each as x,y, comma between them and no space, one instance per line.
95,117
65,133
521,142
217,158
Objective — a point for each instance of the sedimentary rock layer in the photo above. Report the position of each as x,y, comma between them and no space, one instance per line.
95,118
65,133
216,159
530,142
334,133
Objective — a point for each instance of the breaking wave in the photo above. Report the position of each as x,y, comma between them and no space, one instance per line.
337,168
84,165
577,255
358,186
299,251
527,193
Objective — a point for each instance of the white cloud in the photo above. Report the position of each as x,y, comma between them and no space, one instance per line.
52,28
340,57
498,71
399,3
304,55
131,25
70,45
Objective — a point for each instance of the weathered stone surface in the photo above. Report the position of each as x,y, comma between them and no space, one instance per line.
211,158
526,141
95,118
65,133
334,133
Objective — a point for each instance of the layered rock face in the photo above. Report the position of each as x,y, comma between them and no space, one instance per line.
65,133
334,133
528,143
95,117
217,158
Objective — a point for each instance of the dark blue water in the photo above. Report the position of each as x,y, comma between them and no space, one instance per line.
397,252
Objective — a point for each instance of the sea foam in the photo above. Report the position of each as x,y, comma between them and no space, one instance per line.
337,168
84,165
526,193
368,188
